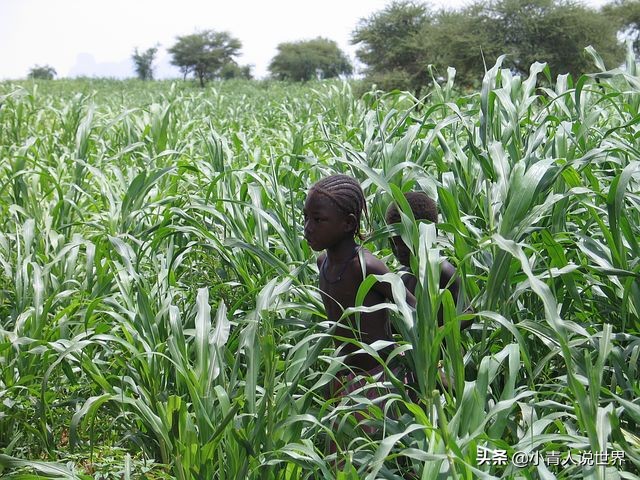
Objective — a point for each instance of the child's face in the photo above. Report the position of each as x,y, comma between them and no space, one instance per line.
400,250
325,225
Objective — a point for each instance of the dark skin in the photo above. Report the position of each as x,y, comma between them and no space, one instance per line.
448,276
328,228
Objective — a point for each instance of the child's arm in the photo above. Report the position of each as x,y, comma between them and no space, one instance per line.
376,266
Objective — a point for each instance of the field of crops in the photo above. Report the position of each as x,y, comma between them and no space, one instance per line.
159,310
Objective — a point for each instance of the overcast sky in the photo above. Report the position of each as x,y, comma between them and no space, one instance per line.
97,37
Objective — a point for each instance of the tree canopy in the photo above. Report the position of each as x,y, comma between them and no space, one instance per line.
143,62
42,72
626,16
390,45
205,54
308,59
554,32
399,43
233,70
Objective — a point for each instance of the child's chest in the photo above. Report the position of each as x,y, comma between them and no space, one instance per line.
336,299
343,293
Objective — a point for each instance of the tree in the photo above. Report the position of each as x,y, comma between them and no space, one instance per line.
232,70
399,43
304,60
550,31
553,31
626,16
205,54
44,72
464,39
143,62
390,45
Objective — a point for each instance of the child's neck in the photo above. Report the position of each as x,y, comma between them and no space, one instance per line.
343,251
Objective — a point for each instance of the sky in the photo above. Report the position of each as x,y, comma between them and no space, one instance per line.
97,37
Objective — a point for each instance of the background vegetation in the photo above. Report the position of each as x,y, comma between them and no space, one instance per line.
207,54
403,45
401,42
42,72
159,314
143,62
310,59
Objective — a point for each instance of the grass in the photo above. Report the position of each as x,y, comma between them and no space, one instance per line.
160,314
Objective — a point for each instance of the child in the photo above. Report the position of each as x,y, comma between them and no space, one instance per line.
332,214
423,208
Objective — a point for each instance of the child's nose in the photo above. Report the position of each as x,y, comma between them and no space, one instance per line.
307,233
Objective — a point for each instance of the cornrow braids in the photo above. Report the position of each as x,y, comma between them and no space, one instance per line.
346,193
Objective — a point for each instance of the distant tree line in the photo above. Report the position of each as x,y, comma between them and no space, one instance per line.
42,72
211,55
401,42
405,44
402,45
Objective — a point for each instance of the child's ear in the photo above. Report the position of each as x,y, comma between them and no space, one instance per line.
351,223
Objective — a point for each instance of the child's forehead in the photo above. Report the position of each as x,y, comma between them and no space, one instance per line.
317,200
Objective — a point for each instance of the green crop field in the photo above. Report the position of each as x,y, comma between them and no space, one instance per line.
159,309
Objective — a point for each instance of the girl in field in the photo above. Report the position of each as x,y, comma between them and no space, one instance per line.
332,214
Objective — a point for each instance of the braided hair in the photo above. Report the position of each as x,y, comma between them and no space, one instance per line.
422,206
346,193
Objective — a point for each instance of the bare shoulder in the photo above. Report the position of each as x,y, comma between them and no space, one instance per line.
373,264
448,271
449,278
321,258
